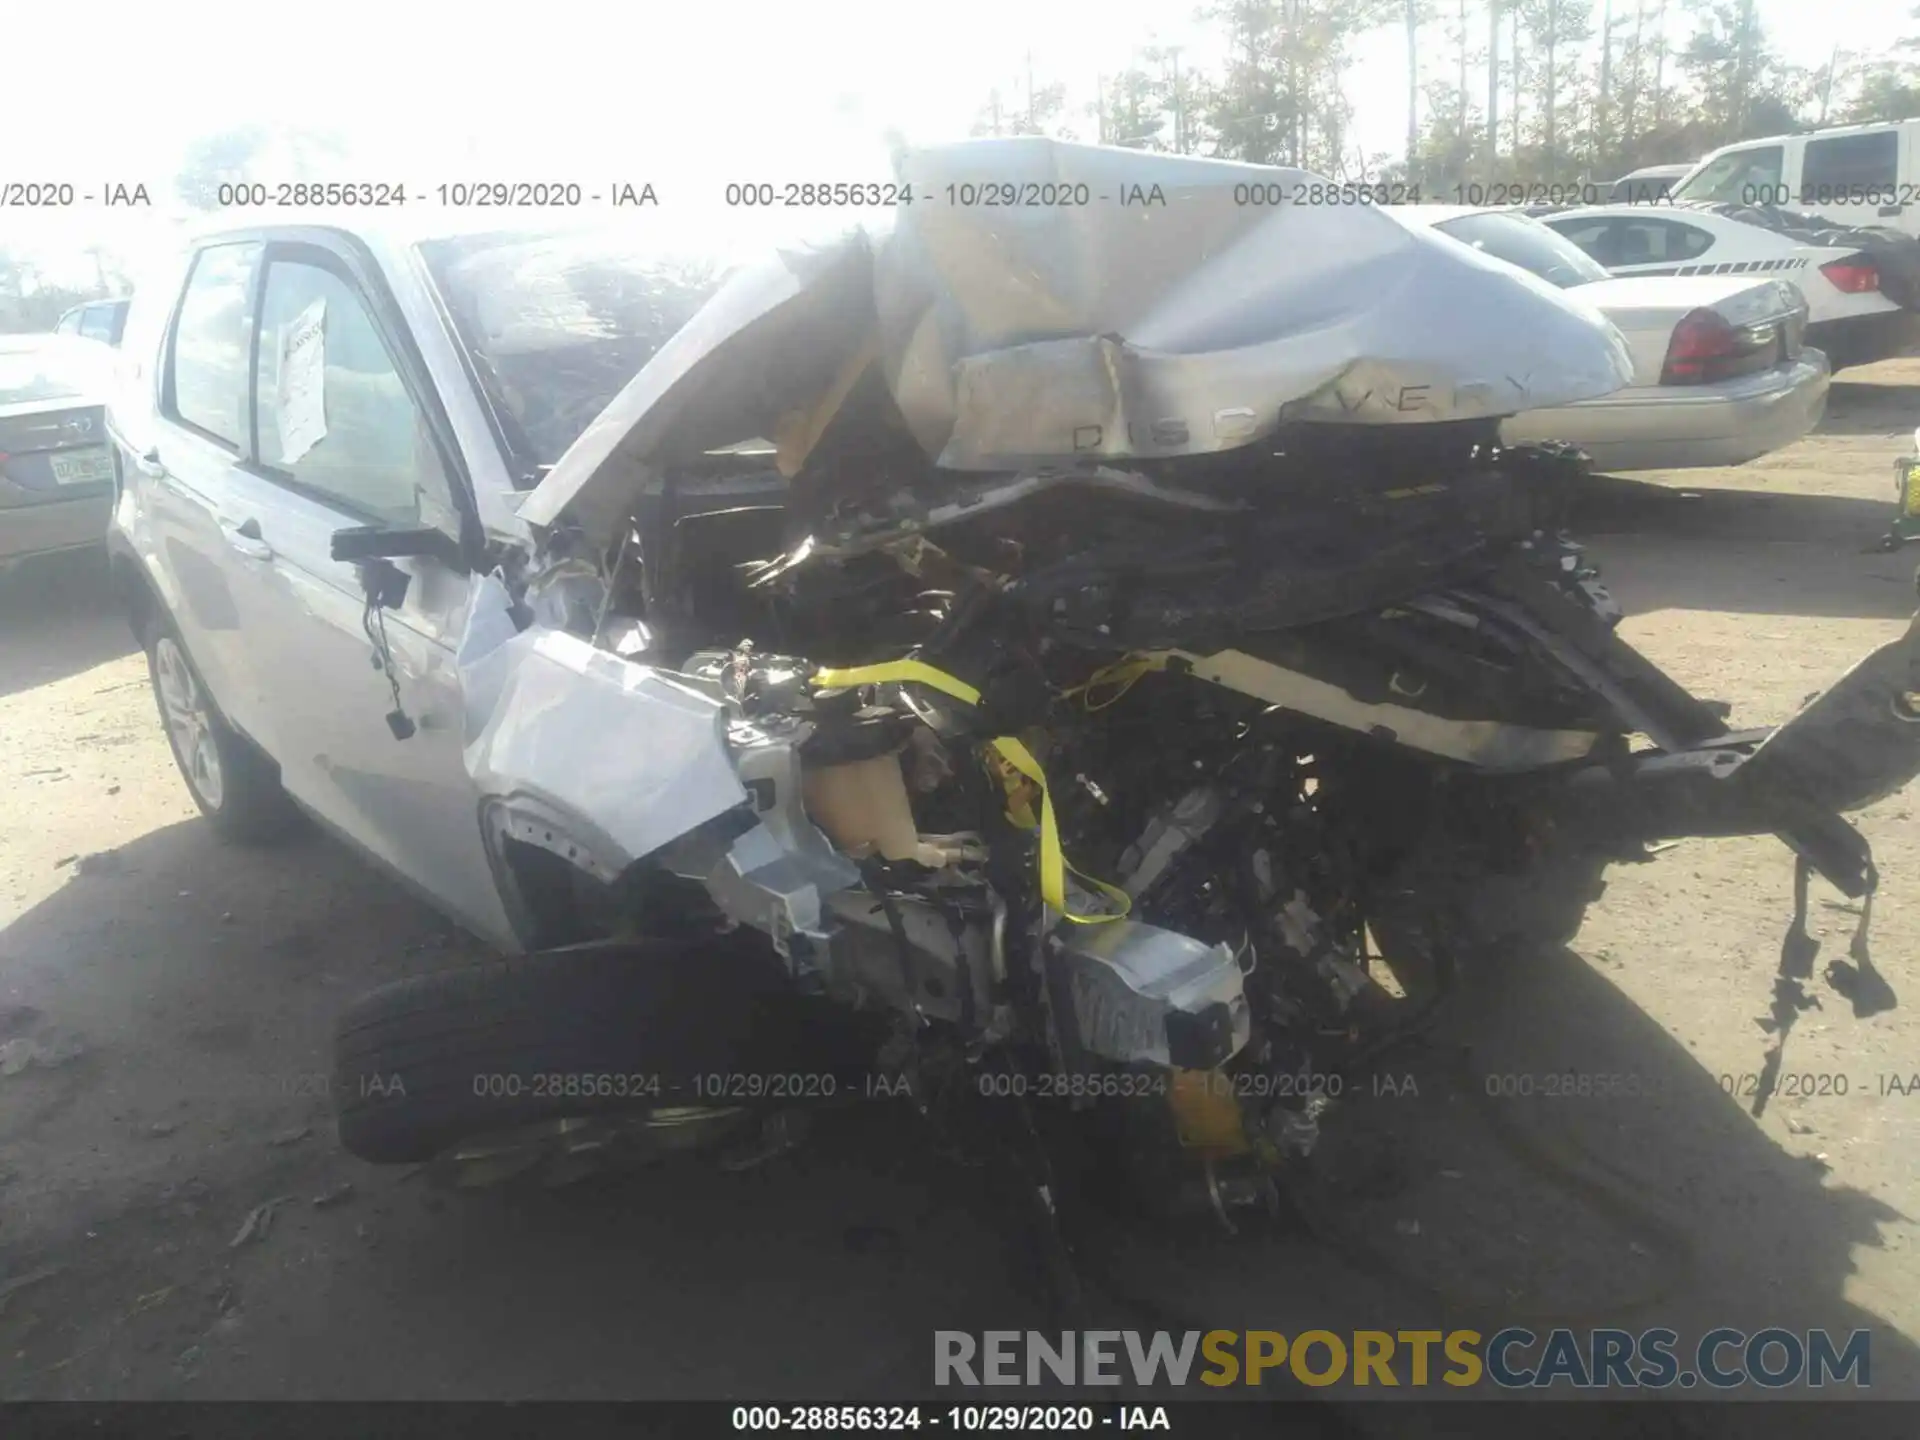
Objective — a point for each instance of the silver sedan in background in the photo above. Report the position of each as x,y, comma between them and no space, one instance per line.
56,471
1720,373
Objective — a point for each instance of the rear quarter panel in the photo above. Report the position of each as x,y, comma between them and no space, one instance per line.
1646,308
133,414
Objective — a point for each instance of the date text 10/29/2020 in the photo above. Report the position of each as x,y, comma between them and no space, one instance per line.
825,1086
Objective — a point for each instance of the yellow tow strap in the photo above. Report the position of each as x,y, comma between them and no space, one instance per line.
1053,863
1119,677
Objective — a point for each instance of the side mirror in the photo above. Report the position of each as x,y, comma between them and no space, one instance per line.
359,543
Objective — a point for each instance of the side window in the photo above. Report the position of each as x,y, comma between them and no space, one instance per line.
1847,161
333,412
1739,177
96,323
207,371
1661,242
69,324
1599,238
1759,169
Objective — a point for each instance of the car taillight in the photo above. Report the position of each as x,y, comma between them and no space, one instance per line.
1853,276
1700,338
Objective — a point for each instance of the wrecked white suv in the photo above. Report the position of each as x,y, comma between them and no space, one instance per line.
1061,643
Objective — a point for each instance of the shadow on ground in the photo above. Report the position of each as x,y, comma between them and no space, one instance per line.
1445,1204
201,982
1613,504
57,618
1647,573
1663,547
1864,408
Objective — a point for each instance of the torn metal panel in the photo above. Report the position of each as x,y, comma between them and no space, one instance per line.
1141,994
779,875
1493,745
622,756
1858,741
1159,317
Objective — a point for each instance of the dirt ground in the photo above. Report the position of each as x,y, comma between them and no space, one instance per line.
165,1005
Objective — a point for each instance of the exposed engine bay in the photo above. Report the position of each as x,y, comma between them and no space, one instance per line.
1140,769
1129,776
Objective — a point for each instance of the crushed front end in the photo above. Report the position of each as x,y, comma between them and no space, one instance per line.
1142,697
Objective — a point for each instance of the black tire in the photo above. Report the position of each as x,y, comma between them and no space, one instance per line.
425,1063
246,804
1542,909
1523,915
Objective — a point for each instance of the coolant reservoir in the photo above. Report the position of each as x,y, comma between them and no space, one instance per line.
863,805
855,789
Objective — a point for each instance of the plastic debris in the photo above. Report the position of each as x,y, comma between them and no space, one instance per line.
150,1300
10,1288
259,1220
17,1054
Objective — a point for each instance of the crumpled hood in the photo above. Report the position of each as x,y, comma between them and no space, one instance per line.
1140,307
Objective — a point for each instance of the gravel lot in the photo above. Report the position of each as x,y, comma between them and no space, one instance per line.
165,1004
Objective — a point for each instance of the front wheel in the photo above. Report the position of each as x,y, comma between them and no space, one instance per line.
236,787
681,1029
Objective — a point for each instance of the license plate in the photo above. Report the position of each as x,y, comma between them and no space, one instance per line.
83,467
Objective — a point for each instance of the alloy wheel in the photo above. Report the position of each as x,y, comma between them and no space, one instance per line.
189,722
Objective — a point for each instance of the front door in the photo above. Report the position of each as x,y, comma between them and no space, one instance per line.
344,438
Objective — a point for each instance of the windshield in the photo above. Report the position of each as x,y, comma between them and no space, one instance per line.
1739,177
557,322
44,372
1528,244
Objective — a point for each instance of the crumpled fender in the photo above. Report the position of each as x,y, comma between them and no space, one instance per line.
580,751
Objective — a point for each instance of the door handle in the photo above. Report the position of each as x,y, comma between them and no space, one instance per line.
149,465
245,537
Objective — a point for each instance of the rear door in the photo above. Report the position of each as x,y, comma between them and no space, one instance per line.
187,473
1640,241
349,432
1598,235
1853,179
1650,244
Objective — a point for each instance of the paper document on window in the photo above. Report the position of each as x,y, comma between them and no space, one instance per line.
300,403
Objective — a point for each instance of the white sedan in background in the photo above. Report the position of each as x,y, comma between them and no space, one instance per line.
1721,373
1854,315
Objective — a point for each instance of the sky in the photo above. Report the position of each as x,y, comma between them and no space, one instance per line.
687,96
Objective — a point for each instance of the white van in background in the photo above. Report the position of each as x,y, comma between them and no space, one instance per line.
1865,175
